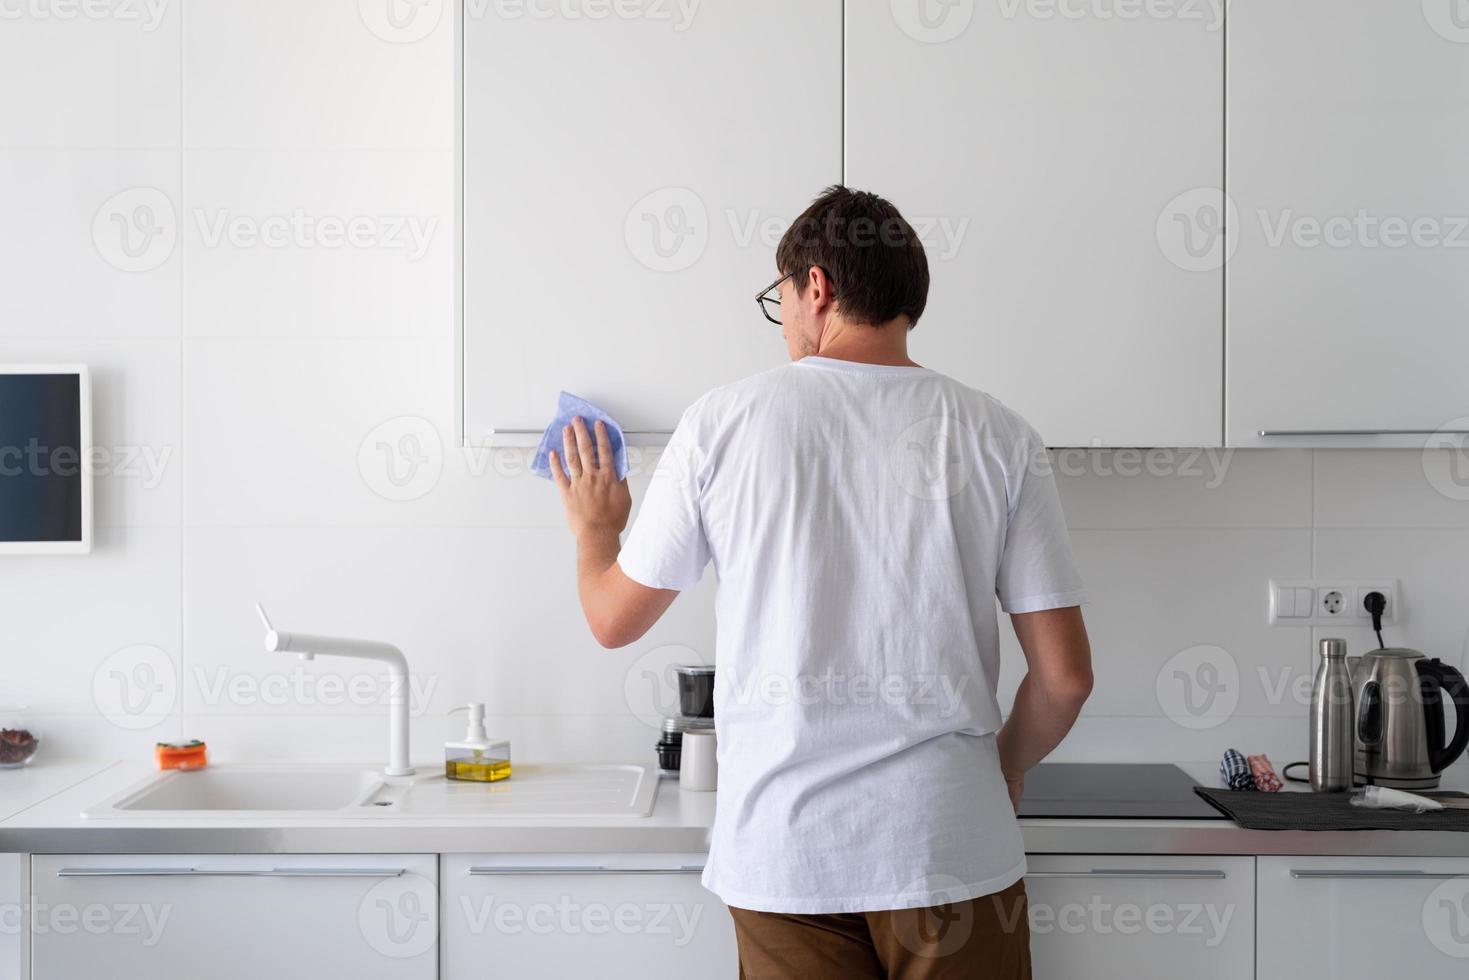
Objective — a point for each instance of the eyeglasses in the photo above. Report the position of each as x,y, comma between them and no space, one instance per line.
769,299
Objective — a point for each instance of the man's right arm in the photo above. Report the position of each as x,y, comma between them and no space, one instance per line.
1057,682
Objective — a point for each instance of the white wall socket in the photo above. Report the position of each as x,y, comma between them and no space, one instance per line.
1329,602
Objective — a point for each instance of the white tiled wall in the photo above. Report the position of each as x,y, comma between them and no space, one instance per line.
259,397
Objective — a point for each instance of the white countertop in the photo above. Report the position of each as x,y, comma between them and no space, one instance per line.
21,789
41,807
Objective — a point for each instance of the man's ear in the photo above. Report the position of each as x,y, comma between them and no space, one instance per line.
819,289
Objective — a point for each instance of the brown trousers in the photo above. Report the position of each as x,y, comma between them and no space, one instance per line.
986,938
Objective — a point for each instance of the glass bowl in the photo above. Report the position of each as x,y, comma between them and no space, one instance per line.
18,738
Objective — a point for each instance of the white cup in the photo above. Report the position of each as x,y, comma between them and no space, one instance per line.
698,770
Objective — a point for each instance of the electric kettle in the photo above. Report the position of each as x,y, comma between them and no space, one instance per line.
1400,738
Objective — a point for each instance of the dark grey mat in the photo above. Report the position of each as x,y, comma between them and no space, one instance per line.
1323,811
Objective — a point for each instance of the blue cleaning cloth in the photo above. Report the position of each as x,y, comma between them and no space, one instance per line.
568,406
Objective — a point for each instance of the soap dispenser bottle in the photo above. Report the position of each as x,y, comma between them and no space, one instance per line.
477,757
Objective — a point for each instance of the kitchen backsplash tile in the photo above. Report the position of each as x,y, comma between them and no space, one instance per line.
1392,488
1184,488
116,75
388,85
96,637
319,243
1177,624
93,235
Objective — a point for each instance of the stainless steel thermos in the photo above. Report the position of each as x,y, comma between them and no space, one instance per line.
1332,718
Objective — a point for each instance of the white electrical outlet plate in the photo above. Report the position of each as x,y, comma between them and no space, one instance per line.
1329,601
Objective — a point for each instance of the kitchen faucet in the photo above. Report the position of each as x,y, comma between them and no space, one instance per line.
307,646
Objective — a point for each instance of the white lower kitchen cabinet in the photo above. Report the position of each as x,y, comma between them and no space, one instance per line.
1360,918
1142,917
234,917
642,917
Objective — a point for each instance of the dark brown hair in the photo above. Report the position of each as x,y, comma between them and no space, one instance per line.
872,256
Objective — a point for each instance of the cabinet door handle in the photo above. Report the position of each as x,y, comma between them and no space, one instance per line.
536,432
591,869
1161,873
231,873
1379,875
1272,433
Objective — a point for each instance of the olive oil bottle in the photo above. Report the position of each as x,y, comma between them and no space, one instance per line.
477,757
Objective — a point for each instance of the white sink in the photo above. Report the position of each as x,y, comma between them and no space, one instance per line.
249,790
238,791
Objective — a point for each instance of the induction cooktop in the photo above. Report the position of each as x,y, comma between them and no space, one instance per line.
1113,790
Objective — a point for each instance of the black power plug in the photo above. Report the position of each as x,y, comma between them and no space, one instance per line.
1376,604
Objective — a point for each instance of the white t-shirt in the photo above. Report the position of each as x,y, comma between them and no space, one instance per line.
861,521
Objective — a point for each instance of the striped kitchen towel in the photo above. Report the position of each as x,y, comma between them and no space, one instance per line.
1234,771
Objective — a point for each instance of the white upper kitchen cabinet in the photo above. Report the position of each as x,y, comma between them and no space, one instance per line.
1348,293
1052,154
627,170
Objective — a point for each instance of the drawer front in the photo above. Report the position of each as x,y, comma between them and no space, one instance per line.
1141,916
234,917
1350,917
641,917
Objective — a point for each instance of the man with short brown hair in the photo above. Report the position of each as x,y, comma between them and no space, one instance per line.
863,515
